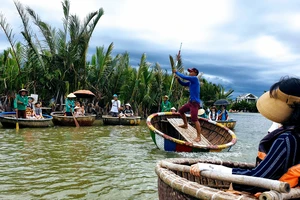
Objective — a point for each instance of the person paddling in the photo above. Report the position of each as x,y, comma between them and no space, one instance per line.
194,102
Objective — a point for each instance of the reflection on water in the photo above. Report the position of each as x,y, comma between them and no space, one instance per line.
99,162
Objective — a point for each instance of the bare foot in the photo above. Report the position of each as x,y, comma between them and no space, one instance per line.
183,126
197,139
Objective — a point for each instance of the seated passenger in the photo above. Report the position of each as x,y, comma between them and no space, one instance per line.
38,110
173,109
81,107
212,115
223,114
29,113
121,111
78,112
201,113
128,111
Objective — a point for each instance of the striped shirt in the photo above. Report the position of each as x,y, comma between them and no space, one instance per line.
282,155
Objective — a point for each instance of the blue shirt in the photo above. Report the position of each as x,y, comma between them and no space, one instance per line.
193,84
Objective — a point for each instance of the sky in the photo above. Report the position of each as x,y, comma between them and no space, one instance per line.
242,45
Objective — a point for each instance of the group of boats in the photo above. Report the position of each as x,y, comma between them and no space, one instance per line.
9,120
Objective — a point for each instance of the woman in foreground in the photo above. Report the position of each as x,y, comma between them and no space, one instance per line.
279,151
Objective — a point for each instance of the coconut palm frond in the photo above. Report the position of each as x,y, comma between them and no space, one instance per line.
45,29
10,37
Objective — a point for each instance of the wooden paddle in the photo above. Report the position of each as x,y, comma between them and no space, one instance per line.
17,123
75,120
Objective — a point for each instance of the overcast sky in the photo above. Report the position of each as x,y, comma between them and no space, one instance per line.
245,45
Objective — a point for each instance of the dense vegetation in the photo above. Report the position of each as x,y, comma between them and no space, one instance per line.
53,62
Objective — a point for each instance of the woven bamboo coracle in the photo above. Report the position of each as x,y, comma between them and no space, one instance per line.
175,182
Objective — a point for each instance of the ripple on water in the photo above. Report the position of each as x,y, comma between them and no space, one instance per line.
99,162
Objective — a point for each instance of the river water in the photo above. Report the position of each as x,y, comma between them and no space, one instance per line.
100,162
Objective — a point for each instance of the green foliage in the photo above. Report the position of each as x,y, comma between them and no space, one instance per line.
54,64
244,106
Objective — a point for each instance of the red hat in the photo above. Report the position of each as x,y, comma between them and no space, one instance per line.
193,70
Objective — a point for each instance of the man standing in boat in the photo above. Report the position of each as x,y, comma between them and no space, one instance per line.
21,102
194,102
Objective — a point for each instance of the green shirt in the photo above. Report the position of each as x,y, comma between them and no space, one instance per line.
21,102
166,106
70,105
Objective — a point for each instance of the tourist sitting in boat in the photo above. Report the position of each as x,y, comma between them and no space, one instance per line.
201,113
279,151
78,111
115,106
29,113
223,114
121,111
165,104
128,112
38,110
30,102
70,104
212,115
81,107
173,109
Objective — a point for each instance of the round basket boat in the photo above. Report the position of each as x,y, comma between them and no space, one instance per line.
176,183
131,121
167,135
9,120
229,124
61,120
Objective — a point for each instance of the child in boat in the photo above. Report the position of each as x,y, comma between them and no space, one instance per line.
38,110
81,107
279,151
128,112
30,102
29,113
78,111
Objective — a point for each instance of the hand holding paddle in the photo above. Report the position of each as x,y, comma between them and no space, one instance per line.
75,120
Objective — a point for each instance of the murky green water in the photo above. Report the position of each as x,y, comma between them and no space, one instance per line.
99,162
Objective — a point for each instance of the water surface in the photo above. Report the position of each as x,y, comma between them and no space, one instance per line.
100,162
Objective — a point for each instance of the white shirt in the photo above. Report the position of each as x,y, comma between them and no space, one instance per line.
115,105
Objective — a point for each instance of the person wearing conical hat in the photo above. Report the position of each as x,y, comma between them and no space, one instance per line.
279,151
128,110
21,102
70,104
202,113
165,104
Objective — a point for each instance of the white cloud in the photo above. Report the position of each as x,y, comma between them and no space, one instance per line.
270,48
